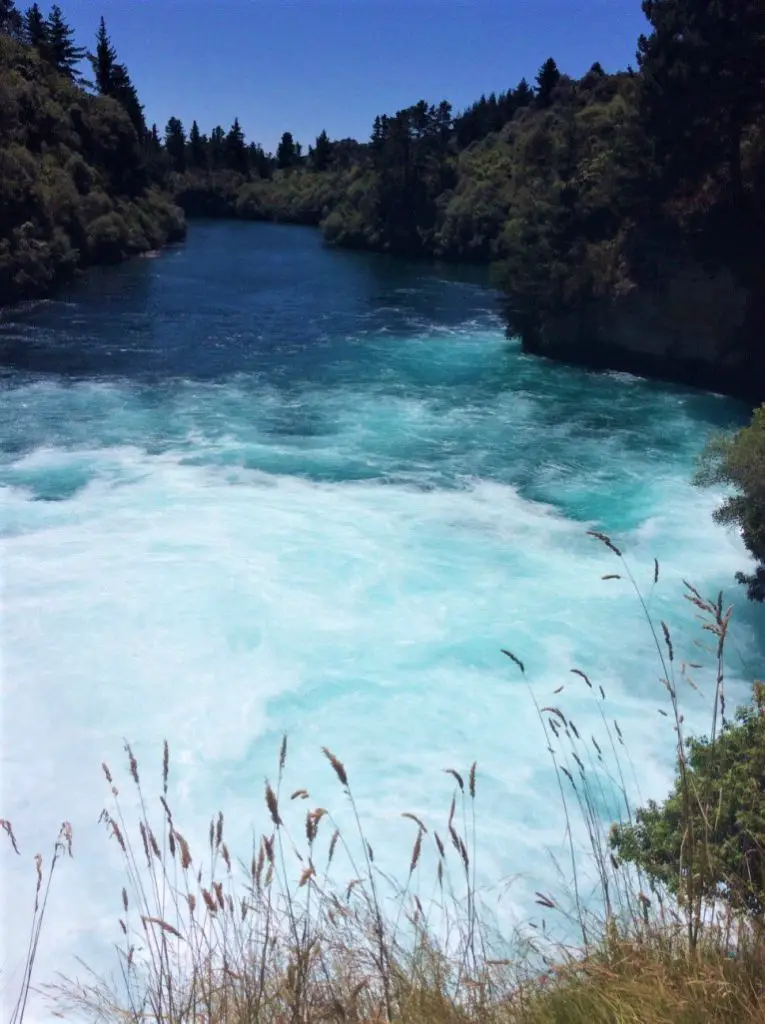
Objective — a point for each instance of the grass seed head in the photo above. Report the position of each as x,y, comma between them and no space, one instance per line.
338,766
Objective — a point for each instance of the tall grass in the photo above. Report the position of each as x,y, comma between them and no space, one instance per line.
307,927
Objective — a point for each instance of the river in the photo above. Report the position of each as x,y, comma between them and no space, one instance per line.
254,485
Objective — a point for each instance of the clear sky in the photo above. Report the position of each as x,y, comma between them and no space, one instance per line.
304,65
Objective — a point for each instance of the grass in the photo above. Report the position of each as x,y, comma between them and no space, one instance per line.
307,928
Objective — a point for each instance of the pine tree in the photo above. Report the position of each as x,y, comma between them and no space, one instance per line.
11,20
175,145
236,150
444,123
321,154
259,161
523,94
547,78
217,148
703,68
112,79
36,29
154,142
286,152
125,92
63,53
197,155
104,61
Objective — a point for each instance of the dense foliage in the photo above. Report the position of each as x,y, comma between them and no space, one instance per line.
738,462
720,799
75,183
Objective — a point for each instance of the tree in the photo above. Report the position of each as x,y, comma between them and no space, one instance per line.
523,94
126,93
11,20
112,79
739,462
36,30
175,145
217,148
703,67
236,149
322,152
547,78
444,124
286,152
104,61
63,53
259,161
719,798
197,156
154,142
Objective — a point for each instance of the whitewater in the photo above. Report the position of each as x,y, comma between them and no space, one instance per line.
255,486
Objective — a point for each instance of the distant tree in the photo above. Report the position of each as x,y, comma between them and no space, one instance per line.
36,29
175,145
321,154
197,154
112,79
63,52
217,148
259,161
523,93
125,92
154,142
11,20
444,124
104,61
378,136
286,152
703,68
547,78
236,149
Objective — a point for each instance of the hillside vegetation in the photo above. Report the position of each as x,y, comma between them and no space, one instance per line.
74,184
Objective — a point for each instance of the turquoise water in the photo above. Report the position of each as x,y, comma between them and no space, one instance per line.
253,485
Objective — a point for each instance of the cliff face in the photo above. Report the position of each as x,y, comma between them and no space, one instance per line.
687,322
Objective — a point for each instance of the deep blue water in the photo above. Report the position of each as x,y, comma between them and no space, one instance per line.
254,485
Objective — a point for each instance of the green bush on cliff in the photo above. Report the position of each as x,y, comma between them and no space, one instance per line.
74,187
738,461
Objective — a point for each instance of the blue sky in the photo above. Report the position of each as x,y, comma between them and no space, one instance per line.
304,65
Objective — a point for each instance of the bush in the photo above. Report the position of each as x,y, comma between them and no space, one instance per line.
108,237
